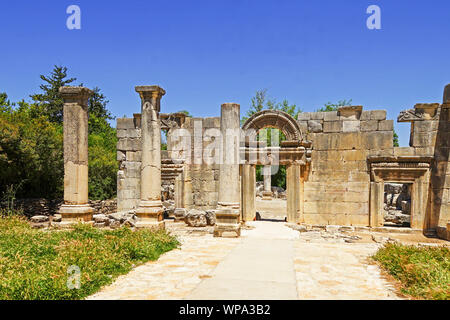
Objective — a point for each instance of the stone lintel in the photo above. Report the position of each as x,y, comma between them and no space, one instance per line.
374,159
78,95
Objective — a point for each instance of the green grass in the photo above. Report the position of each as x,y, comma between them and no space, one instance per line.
424,272
34,264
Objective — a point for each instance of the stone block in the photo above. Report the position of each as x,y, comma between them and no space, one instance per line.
378,115
354,155
378,140
128,133
350,112
303,126
331,116
404,151
211,122
134,156
332,126
424,139
344,141
129,144
425,126
317,115
386,125
314,126
304,116
365,116
350,126
121,156
369,125
125,123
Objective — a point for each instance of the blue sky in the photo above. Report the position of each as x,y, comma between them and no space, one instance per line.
205,53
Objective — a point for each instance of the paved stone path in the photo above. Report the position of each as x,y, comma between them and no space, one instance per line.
270,261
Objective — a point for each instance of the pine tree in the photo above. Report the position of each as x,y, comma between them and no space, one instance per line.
50,101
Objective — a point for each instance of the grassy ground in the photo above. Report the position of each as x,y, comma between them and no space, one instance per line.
37,264
424,272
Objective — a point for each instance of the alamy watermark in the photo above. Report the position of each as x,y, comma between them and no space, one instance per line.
74,279
374,20
73,22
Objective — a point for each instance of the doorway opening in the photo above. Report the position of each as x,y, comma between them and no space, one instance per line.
397,205
271,199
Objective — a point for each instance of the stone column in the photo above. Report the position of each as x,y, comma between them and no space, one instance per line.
150,210
267,173
293,192
180,211
228,215
248,192
376,218
75,207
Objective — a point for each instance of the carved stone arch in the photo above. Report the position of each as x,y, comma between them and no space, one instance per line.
275,119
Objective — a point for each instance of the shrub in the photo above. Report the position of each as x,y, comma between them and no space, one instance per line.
423,271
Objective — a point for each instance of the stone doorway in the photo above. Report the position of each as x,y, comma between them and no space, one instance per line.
410,171
294,153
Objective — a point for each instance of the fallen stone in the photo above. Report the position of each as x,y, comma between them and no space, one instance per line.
130,223
57,218
39,219
99,225
114,223
196,218
210,217
100,218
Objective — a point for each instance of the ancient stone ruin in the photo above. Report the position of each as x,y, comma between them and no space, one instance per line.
342,168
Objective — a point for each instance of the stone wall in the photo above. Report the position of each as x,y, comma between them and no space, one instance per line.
201,175
430,136
129,153
338,186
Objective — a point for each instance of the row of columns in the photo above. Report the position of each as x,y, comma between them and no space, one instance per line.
150,210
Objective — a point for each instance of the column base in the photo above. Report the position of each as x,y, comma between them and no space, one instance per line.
150,214
267,195
74,213
228,224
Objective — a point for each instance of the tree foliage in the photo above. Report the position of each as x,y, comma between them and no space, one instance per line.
334,106
31,142
50,101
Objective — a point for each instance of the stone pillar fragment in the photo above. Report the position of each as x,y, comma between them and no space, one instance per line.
228,215
75,207
150,210
293,192
267,173
248,192
376,204
180,211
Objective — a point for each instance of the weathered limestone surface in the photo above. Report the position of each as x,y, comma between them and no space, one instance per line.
248,180
228,214
337,188
75,205
150,209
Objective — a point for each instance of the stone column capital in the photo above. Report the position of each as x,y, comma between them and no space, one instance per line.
79,95
150,92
